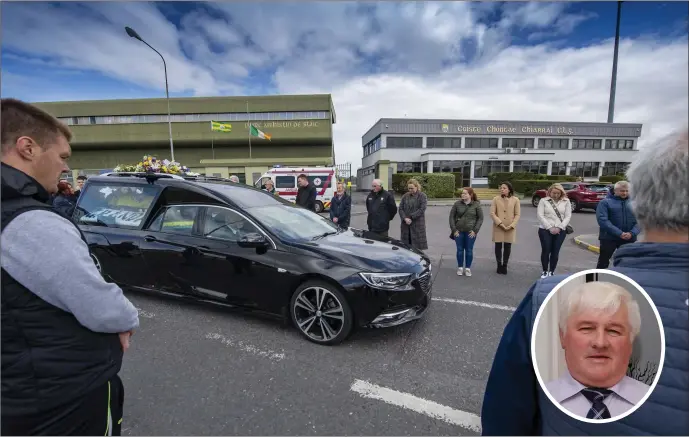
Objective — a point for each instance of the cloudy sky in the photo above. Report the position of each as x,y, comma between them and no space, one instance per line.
492,60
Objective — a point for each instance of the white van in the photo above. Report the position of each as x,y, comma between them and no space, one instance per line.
285,183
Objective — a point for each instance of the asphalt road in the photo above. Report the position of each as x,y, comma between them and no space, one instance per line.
196,370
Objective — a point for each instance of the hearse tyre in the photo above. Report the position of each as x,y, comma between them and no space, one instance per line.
535,200
321,313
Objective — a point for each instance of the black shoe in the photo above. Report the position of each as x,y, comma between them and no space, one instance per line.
499,270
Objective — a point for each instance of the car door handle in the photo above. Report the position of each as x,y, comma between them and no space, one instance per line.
150,238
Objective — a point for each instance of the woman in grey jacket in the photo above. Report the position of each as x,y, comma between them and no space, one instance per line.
466,218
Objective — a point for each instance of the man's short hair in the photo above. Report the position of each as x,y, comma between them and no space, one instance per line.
18,119
621,184
302,176
598,296
658,177
82,178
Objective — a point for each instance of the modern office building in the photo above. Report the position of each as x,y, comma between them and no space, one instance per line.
477,148
112,132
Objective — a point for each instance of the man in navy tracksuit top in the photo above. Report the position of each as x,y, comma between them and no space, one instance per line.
617,223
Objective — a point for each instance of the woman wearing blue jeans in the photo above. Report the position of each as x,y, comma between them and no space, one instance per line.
466,218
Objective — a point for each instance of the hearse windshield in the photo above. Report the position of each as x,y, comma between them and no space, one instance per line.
292,223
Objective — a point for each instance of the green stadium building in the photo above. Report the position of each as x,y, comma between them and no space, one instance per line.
112,132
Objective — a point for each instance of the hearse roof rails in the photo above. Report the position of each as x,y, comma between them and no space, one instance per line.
203,178
148,176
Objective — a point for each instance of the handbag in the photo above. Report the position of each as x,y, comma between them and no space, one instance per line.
452,236
568,229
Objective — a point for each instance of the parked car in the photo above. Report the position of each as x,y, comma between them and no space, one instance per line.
580,194
209,240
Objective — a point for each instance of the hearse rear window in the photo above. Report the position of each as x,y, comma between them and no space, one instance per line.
114,205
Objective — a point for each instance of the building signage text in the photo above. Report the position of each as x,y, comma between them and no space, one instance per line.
300,124
511,129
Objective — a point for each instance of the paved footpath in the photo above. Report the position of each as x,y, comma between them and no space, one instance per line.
195,370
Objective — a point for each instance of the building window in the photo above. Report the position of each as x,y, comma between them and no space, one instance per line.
483,168
586,144
619,144
409,167
443,142
536,167
451,166
404,142
481,143
559,168
615,168
518,143
372,146
195,118
553,143
585,169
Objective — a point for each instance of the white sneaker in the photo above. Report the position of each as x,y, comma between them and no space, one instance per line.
551,273
468,272
544,275
460,271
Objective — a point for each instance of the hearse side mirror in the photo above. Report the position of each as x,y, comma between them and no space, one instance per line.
253,240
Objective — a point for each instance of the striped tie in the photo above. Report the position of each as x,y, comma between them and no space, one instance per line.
596,396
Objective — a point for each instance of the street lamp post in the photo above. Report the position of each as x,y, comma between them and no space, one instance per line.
613,79
132,33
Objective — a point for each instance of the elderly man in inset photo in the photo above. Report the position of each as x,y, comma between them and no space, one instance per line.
598,324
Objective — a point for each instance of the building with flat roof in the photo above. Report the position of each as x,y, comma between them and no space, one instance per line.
477,148
112,132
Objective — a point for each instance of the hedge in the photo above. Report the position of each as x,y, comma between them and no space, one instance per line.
528,186
612,179
435,185
495,179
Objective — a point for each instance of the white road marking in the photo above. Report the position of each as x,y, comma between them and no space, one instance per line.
145,314
271,355
478,304
437,411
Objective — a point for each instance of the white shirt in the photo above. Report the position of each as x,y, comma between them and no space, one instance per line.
625,395
547,218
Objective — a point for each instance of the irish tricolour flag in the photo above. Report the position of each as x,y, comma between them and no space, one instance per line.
256,132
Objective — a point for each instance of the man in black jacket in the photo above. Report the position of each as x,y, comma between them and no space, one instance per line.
64,328
306,194
381,208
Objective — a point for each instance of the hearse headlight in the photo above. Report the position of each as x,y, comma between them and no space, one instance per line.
388,281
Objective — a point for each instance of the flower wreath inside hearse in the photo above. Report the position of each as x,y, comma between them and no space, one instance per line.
151,164
124,205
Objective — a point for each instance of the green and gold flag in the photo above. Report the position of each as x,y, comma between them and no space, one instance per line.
217,126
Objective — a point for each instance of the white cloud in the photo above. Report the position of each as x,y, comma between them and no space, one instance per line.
383,59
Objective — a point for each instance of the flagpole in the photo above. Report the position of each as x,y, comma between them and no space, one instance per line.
249,119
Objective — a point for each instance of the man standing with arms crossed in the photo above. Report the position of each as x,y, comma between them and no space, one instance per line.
64,329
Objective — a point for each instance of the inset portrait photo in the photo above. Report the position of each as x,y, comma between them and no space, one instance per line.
598,346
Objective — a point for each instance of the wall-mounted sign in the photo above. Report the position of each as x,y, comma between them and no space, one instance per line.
300,124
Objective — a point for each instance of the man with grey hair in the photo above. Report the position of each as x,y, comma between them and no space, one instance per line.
617,223
598,322
234,179
381,208
515,404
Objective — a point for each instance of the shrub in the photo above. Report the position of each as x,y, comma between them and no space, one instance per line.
458,192
612,178
528,186
435,185
561,178
458,179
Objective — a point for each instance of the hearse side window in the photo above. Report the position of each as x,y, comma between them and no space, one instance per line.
180,220
284,182
223,224
117,206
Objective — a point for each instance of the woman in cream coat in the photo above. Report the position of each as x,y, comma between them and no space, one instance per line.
505,212
554,214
